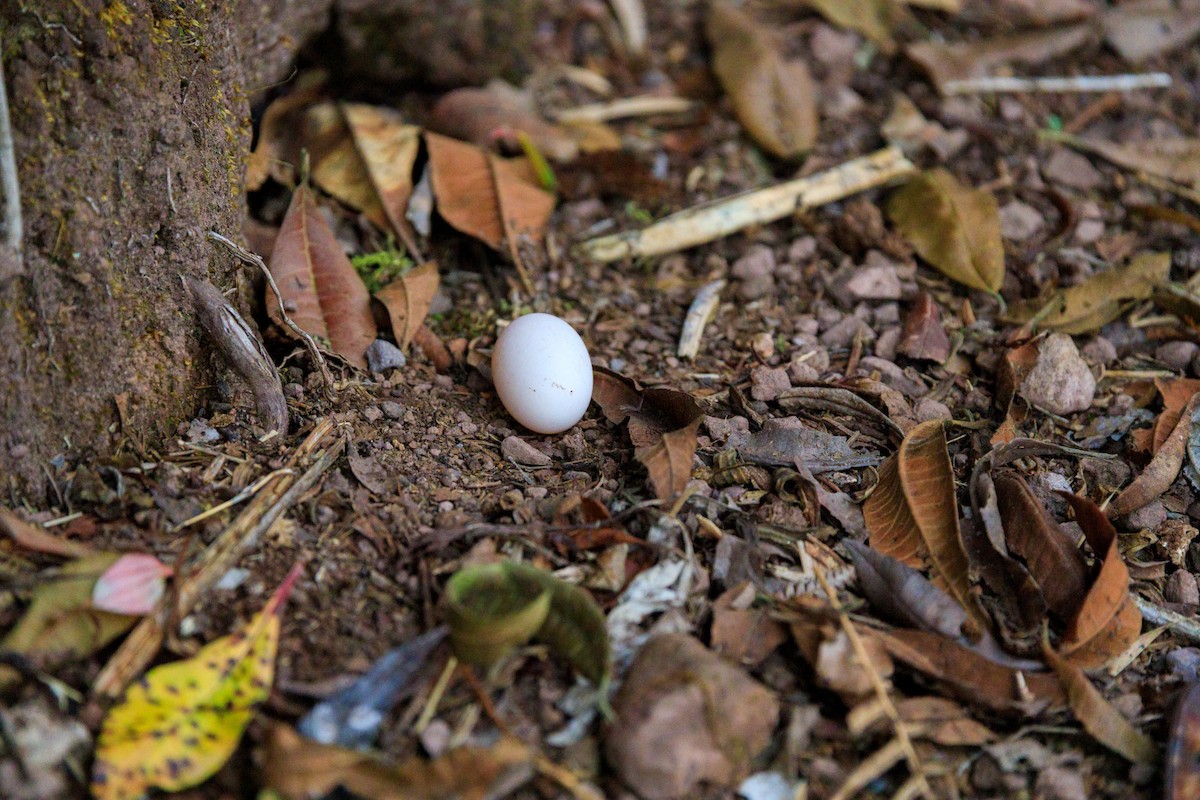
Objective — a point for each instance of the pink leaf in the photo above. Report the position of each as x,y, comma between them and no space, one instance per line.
132,585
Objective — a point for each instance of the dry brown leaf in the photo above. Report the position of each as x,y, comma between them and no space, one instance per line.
953,227
1008,14
336,165
1010,374
828,650
1099,717
276,155
1174,159
741,632
1183,768
494,114
663,424
874,19
388,147
972,678
924,335
407,300
954,62
913,514
299,768
486,197
1056,566
320,289
1100,299
1176,392
36,538
1162,470
1108,620
1139,30
774,99
936,719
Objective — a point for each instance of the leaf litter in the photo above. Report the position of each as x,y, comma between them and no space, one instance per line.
740,505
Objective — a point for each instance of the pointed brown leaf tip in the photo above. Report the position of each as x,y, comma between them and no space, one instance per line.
953,227
924,336
321,291
407,300
1108,620
773,98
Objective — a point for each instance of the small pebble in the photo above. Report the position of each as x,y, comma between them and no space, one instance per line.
522,452
1184,663
1149,516
1099,351
767,383
382,355
1177,355
1181,588
879,282
927,409
1020,222
1068,168
1060,382
391,409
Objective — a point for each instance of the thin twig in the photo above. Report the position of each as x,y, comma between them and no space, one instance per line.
140,647
1187,627
1076,83
916,768
9,181
245,256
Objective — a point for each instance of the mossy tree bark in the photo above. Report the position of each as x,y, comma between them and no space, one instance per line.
131,122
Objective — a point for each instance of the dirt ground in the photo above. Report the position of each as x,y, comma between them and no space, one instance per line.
425,487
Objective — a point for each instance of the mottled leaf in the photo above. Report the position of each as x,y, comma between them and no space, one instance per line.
321,291
408,298
1099,717
913,513
132,585
1108,620
774,99
953,227
179,724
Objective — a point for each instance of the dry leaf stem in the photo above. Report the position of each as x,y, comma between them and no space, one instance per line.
709,222
903,740
314,455
246,257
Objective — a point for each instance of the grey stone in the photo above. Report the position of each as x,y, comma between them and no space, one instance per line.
1177,355
382,355
1099,351
1060,382
522,452
391,409
1020,222
1181,588
1068,168
768,383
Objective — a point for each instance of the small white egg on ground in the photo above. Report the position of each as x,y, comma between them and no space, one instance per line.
542,373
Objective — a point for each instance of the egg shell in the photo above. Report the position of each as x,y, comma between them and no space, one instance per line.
542,373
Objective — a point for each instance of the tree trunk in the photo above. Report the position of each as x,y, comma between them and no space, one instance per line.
131,124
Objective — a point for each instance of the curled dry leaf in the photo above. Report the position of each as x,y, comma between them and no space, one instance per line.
486,197
973,678
407,300
493,115
1108,620
1174,159
663,424
1183,768
1100,299
774,99
924,336
298,769
1162,470
913,514
1053,561
494,608
1099,717
1176,392
132,585
1010,374
320,289
954,228
742,632
946,63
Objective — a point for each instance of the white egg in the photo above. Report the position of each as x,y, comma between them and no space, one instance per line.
542,373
